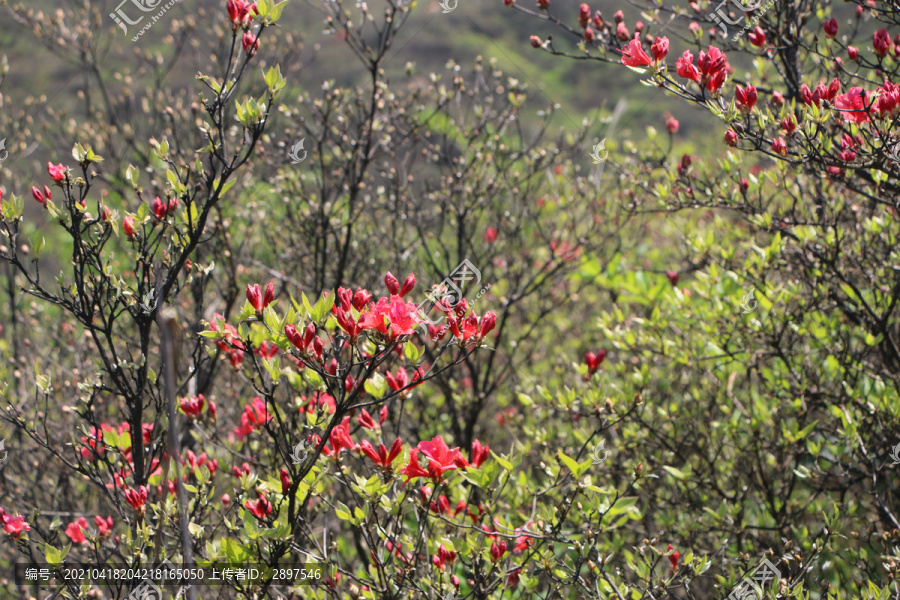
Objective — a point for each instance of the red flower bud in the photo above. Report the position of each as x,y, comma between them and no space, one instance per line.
128,226
408,285
488,322
831,27
269,295
37,195
672,277
757,37
543,4
293,336
391,283
584,15
779,146
254,297
731,137
660,48
535,41
250,43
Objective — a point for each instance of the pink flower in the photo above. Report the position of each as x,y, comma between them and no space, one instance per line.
128,226
255,415
593,361
137,498
440,458
104,526
14,525
634,55
57,172
250,43
76,530
660,48
684,66
383,457
392,317
757,37
37,195
672,125
731,137
193,407
712,66
881,41
853,105
745,97
779,146
260,509
413,469
480,453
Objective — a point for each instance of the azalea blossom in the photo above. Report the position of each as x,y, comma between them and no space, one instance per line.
853,105
75,531
634,56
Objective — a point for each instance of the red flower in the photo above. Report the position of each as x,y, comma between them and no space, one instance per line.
250,43
76,530
672,125
745,97
584,15
757,37
684,66
634,55
498,549
852,52
712,66
159,208
340,437
408,285
788,125
57,172
104,526
672,276
731,137
881,41
193,407
260,509
285,480
490,235
366,420
137,498
535,41
543,4
14,525
831,27
660,48
853,104
37,195
593,361
391,283
480,453
255,415
255,296
239,12
440,457
384,457
392,317
128,226
779,146
413,470
673,558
